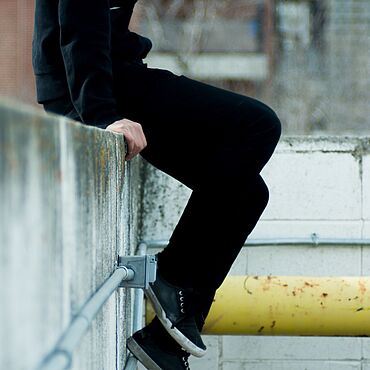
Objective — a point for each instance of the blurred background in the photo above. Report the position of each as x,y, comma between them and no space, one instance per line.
308,59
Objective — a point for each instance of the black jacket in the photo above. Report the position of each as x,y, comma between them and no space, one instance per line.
75,44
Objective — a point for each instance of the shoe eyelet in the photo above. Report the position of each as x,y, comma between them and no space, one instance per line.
180,293
186,363
182,304
181,299
182,310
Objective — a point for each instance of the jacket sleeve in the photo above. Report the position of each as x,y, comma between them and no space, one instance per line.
85,38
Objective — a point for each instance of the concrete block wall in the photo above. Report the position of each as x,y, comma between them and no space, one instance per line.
317,185
65,215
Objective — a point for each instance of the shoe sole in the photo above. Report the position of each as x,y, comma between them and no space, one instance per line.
176,334
141,355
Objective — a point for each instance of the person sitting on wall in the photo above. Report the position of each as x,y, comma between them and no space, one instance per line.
89,67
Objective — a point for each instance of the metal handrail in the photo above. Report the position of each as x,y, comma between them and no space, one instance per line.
313,241
131,363
60,358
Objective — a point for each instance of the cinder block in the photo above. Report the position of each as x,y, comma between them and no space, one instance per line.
366,365
366,350
305,228
290,348
210,360
300,260
366,187
234,365
366,253
293,365
366,230
310,144
366,250
316,186
240,265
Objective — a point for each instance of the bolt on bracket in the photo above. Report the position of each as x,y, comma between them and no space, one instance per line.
144,268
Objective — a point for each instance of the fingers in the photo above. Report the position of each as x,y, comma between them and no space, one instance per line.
134,136
133,148
136,141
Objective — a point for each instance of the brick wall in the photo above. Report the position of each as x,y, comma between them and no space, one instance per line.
16,28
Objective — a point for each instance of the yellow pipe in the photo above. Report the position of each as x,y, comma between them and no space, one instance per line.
290,305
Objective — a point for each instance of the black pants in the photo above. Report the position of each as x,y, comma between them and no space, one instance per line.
214,141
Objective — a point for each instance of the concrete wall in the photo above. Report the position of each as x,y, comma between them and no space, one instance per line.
65,215
317,185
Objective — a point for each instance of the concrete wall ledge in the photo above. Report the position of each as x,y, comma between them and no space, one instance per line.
340,144
67,211
63,222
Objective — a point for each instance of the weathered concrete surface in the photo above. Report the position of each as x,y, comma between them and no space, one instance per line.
317,185
63,220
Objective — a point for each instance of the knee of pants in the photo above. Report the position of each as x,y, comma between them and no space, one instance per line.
261,139
252,194
275,127
270,126
255,201
266,125
263,194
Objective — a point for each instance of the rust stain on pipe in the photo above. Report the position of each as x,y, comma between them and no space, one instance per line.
302,306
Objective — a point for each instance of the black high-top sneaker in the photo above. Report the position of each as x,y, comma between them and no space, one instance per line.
154,354
174,307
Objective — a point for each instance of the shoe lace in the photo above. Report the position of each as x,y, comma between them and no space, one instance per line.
185,358
184,301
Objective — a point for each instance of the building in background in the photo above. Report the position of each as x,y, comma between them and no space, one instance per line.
348,65
309,59
226,43
322,78
300,83
16,28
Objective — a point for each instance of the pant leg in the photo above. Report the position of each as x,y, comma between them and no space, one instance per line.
222,259
216,142
196,132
